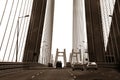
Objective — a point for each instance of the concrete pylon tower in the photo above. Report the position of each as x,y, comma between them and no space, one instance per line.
61,54
79,26
95,38
34,35
47,32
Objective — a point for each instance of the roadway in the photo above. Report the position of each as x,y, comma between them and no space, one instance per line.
47,74
62,74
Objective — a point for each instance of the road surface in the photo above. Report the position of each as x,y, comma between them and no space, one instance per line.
48,74
62,74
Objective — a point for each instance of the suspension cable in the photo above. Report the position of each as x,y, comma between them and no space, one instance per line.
11,29
26,30
15,33
23,30
20,26
6,27
3,13
12,45
1,22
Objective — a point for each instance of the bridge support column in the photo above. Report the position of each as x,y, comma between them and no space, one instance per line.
95,38
79,26
33,41
112,55
47,32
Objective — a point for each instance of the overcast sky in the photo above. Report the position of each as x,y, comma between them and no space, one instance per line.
62,29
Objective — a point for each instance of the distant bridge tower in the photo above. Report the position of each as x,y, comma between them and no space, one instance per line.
63,54
74,56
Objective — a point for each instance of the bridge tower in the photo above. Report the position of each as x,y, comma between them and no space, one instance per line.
63,54
94,31
75,55
34,35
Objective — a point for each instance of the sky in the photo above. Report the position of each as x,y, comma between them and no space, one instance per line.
62,26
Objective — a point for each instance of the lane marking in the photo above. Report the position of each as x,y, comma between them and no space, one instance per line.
71,74
117,77
33,76
74,77
41,72
102,73
37,74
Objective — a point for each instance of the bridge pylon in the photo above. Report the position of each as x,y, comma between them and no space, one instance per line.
61,54
74,55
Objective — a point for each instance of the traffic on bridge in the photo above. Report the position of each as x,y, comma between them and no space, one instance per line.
59,39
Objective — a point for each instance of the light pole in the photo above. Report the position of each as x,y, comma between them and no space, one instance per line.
18,35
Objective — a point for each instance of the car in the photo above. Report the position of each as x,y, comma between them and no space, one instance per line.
77,66
59,64
50,65
68,65
91,65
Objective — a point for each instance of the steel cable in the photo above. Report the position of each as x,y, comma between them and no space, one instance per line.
26,30
21,5
22,12
11,30
23,30
6,27
3,12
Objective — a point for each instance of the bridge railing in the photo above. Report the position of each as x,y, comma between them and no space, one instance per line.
18,65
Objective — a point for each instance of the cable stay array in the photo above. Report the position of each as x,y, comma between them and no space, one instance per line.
14,22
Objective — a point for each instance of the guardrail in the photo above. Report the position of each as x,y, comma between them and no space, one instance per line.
108,65
17,65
